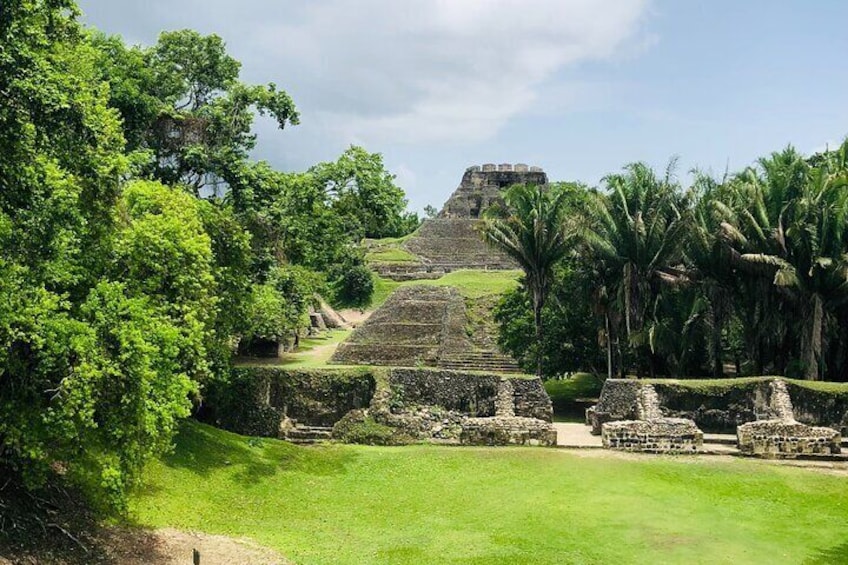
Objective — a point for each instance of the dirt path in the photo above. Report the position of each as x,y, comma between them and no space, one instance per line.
355,317
135,546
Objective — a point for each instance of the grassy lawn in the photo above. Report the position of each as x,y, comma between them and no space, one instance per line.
568,395
312,352
471,283
395,255
430,504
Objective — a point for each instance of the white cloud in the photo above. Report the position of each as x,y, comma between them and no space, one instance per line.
437,70
387,72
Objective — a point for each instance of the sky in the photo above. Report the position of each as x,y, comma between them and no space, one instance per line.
578,87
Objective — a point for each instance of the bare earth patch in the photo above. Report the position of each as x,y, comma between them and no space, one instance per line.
134,546
355,317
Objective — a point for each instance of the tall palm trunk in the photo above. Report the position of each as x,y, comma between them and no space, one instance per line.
609,345
811,342
538,302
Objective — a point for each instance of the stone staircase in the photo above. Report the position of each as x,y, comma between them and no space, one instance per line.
449,244
479,361
308,435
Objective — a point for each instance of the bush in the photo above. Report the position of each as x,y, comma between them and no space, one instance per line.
356,286
356,427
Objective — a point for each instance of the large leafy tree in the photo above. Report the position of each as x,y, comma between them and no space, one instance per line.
530,228
101,325
364,193
185,112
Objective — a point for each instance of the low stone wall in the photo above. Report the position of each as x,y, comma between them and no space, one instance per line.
722,405
416,404
255,400
506,430
623,399
470,393
781,438
664,435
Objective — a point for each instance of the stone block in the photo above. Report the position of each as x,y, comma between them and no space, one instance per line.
786,439
503,430
663,435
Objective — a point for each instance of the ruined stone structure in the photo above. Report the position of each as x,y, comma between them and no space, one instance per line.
414,404
481,187
451,241
432,326
633,415
423,326
662,435
629,417
781,435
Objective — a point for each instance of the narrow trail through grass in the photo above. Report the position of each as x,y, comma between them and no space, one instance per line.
431,504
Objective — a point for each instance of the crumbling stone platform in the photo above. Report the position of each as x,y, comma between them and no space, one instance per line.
507,430
662,435
786,439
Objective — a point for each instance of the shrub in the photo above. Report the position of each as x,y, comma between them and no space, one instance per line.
357,427
356,286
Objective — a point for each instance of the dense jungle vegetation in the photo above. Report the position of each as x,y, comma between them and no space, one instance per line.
140,244
744,275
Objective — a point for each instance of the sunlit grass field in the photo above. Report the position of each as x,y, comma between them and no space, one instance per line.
429,504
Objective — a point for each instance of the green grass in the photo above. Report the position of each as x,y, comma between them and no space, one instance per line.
313,352
395,255
471,283
567,394
340,504
705,385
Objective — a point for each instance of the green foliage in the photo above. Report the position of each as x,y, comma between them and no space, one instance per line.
356,286
570,341
530,228
355,427
365,194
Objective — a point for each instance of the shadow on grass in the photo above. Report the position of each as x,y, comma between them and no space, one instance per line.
204,450
836,555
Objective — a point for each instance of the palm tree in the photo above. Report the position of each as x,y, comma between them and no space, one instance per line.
636,231
712,263
796,230
530,228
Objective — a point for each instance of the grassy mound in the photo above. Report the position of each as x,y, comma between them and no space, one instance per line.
429,504
471,284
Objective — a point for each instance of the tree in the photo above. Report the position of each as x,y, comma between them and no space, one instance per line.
365,194
795,232
186,114
635,234
95,359
529,227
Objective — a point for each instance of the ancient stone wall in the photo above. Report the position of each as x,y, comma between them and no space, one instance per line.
473,394
481,187
786,438
256,400
721,407
507,430
415,404
665,435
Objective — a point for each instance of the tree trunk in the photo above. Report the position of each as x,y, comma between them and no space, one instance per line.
811,343
537,320
609,345
715,346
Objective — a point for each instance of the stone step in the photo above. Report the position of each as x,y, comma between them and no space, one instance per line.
720,439
309,434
